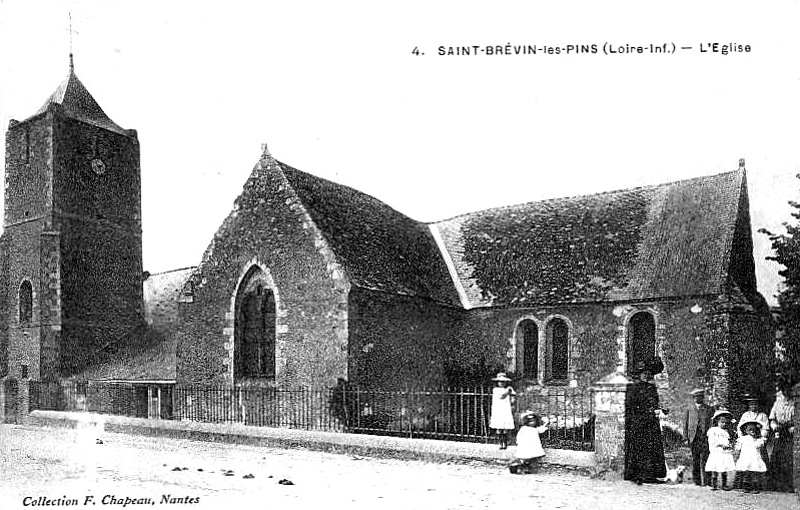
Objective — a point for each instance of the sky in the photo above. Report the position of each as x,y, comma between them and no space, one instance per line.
337,89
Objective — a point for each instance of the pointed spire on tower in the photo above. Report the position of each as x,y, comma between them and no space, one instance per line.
71,64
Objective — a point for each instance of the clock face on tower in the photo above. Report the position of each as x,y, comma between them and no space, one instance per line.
98,166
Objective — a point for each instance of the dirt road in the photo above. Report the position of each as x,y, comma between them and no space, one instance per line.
60,467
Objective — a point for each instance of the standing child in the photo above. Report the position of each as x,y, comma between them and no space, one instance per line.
502,419
720,457
529,444
751,467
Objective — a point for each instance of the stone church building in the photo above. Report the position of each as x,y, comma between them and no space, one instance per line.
308,282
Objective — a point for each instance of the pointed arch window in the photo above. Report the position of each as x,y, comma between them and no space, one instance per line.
557,350
528,349
25,302
254,328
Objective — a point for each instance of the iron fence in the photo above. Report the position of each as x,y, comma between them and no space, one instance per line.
457,414
123,399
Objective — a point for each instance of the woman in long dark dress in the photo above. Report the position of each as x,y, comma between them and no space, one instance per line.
644,447
781,422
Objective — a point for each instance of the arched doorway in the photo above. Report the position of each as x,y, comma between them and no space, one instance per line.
528,349
254,328
641,338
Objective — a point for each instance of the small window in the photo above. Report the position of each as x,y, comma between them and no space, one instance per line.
557,350
187,293
27,155
25,302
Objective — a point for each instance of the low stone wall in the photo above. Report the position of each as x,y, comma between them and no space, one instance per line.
333,442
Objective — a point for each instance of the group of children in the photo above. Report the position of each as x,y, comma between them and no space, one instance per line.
529,445
750,466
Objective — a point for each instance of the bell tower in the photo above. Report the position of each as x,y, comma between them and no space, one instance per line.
72,237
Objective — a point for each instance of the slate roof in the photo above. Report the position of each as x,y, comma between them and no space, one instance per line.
378,247
162,291
79,104
154,361
153,357
644,243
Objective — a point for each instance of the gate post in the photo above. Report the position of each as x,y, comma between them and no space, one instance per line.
23,401
609,435
8,400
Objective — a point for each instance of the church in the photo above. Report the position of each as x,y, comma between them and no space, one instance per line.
309,283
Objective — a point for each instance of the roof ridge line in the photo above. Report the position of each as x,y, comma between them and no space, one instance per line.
173,270
597,194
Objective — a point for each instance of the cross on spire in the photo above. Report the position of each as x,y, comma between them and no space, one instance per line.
71,31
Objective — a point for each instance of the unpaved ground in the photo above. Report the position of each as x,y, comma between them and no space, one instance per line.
57,463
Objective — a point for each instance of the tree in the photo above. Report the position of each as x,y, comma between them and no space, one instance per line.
786,248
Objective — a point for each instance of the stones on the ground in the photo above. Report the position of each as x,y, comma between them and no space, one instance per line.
199,469
228,472
285,481
248,476
177,469
99,441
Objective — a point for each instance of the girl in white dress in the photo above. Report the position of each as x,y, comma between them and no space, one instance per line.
529,445
720,457
750,466
502,419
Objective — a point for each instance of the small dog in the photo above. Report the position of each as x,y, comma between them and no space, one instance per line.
674,475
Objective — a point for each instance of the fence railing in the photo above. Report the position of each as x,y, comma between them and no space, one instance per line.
123,399
454,414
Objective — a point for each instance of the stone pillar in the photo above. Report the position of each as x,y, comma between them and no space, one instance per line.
796,398
9,401
7,396
609,430
23,400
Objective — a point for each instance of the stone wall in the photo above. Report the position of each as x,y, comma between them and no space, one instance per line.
28,172
400,341
97,212
269,230
750,359
23,242
28,185
597,341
